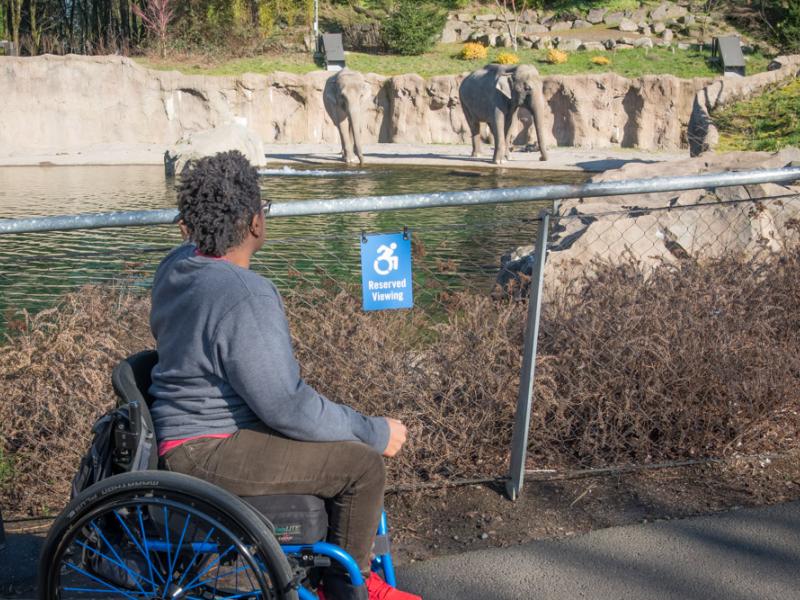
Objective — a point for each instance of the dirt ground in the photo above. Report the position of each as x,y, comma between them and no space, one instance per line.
448,521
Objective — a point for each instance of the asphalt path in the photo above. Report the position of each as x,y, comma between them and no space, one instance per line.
743,554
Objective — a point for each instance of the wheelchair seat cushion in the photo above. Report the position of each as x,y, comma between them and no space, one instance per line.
296,519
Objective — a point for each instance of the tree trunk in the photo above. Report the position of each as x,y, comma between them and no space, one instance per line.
36,33
16,19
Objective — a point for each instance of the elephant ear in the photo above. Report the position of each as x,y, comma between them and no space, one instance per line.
503,85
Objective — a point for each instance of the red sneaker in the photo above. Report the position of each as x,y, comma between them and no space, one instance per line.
380,590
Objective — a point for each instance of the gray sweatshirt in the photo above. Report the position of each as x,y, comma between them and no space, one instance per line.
225,359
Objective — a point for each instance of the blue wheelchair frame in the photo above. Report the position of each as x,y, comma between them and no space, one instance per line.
382,562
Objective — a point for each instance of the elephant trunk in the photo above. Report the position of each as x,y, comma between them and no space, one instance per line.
536,108
355,129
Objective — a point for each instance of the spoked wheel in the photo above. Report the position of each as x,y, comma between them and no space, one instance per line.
159,535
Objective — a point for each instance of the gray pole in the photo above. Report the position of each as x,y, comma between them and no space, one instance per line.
522,417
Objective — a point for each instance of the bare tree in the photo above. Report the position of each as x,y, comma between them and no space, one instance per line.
156,16
511,11
16,19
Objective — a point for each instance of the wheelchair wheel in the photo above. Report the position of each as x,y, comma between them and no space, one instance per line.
156,534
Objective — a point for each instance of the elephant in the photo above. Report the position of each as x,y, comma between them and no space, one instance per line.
342,98
493,95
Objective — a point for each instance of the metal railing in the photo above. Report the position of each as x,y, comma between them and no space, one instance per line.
316,273
416,201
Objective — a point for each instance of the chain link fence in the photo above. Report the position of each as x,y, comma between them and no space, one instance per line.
668,330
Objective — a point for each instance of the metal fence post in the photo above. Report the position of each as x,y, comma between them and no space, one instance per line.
522,418
2,532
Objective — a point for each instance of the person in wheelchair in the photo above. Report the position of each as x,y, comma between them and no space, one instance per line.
230,406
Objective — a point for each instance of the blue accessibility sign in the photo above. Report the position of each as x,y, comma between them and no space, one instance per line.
386,271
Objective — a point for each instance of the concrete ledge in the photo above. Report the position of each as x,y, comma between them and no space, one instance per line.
442,155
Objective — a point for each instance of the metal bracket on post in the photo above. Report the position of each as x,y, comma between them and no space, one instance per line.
522,418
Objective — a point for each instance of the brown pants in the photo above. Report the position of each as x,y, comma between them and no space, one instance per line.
260,462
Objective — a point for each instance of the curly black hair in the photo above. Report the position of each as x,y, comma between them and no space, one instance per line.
218,196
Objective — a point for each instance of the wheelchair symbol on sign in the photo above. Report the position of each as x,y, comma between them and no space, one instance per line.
386,255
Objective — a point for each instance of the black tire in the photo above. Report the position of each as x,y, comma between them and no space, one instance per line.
135,505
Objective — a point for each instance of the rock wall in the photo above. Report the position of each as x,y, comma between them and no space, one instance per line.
637,227
593,229
685,24
55,103
702,133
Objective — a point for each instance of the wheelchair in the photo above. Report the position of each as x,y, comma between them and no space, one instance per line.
144,534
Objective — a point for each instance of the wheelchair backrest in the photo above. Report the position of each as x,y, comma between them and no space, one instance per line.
131,380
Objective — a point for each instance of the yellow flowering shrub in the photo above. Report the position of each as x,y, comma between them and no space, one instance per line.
507,58
473,51
556,57
601,60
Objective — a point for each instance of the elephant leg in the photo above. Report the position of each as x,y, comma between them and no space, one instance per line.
344,134
507,138
356,132
499,133
475,132
538,117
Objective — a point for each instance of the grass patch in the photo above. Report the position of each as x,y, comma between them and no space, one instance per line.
768,123
443,60
199,65
584,6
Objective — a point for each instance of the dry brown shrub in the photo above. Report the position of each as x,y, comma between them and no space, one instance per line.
55,381
697,359
693,360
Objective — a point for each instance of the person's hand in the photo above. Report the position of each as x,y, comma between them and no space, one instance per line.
397,437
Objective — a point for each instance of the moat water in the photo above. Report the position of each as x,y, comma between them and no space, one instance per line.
460,243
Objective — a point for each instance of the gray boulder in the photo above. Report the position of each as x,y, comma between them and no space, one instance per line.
569,44
596,15
659,27
580,24
454,31
592,46
643,42
613,19
231,136
561,26
487,39
627,25
660,12
533,28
